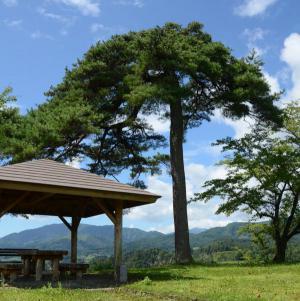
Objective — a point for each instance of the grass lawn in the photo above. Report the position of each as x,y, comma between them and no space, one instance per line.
203,283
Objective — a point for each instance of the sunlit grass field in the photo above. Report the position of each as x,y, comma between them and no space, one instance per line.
196,282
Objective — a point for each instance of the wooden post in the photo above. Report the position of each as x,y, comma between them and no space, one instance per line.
55,269
26,264
13,276
39,269
74,234
74,238
118,241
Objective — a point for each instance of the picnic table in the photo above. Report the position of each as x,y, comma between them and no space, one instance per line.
38,258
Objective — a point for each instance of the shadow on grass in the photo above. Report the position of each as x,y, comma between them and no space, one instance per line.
88,281
162,274
105,279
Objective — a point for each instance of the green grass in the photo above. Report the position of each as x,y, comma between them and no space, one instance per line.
202,283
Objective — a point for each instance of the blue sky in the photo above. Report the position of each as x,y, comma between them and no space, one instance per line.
40,38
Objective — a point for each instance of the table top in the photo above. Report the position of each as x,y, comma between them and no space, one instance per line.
14,252
32,252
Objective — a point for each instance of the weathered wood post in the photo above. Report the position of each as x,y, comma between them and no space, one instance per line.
120,272
74,238
55,267
39,269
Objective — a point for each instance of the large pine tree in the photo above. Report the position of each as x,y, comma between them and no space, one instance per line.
178,73
182,75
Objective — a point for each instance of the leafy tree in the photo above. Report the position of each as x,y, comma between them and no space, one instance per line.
177,73
263,179
262,246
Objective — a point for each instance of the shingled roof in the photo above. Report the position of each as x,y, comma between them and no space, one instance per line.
57,184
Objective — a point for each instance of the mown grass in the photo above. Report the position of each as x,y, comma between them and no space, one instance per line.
196,282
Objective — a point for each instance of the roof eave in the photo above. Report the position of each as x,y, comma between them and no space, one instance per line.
24,186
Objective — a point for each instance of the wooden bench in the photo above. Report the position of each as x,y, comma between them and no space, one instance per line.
74,268
11,269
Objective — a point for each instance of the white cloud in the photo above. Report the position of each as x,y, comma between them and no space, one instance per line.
159,211
158,124
76,163
66,22
13,23
290,55
255,34
137,3
102,32
244,125
95,27
250,8
10,3
196,148
36,35
254,37
159,216
56,17
240,126
86,7
273,82
197,174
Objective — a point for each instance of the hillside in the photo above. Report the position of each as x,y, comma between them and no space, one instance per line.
99,239
202,239
91,239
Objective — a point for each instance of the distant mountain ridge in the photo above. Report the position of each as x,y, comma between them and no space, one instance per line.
197,230
98,240
91,239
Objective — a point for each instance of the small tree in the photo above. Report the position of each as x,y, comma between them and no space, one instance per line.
263,179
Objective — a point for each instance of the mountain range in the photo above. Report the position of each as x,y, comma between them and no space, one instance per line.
98,240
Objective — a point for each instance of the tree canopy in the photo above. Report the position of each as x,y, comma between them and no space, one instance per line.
9,120
87,116
182,75
263,178
98,110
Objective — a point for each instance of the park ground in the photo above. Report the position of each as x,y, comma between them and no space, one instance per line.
196,282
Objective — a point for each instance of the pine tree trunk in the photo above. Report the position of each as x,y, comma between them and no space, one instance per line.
182,244
281,247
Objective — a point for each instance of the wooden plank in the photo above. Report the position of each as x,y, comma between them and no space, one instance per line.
118,241
17,201
102,206
65,222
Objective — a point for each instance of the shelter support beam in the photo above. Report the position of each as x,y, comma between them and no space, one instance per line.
68,225
74,238
73,227
41,198
119,268
102,206
14,203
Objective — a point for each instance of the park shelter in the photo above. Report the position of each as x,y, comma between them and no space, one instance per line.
47,187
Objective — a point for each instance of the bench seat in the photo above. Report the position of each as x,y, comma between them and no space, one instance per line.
11,269
74,268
